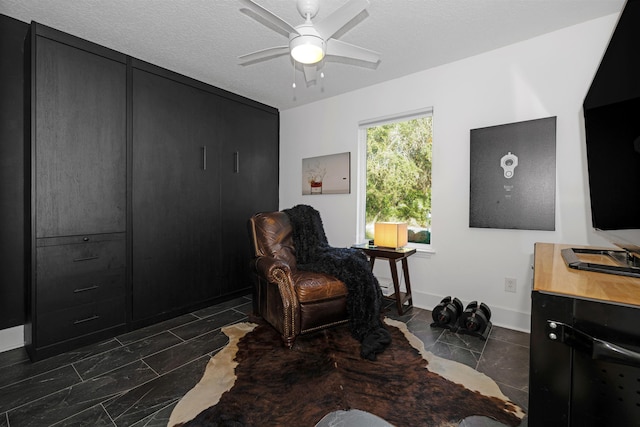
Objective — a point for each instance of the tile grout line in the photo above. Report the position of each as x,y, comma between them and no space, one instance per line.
108,414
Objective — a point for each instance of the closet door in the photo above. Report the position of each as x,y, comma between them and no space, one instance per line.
249,175
80,117
175,196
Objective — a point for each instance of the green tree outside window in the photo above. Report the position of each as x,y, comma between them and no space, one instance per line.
399,160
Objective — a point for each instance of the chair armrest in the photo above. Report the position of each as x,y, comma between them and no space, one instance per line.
271,268
276,295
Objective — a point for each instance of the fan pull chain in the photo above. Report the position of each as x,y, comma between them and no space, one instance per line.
294,76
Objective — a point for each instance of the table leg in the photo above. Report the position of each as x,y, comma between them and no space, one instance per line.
393,257
396,285
407,282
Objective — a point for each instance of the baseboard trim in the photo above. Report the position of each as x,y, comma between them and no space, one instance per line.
500,316
11,338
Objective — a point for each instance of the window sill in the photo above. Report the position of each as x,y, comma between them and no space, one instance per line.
423,251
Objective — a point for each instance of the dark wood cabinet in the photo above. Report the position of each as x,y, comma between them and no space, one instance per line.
78,192
141,184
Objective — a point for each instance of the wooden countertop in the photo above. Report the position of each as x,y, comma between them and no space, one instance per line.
552,275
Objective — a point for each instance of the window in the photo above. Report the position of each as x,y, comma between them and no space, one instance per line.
397,174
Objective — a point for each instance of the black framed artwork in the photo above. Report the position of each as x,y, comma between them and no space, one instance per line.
513,175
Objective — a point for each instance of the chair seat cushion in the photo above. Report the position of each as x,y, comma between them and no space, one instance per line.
313,287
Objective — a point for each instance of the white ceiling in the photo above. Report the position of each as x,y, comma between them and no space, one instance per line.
203,38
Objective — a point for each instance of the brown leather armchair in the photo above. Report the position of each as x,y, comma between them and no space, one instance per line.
293,301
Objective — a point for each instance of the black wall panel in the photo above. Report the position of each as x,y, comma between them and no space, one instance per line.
12,36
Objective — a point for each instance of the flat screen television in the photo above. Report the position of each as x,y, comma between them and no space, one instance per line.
612,135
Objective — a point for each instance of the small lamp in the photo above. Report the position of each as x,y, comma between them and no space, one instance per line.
390,234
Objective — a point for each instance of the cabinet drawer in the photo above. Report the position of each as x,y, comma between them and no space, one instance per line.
74,290
61,325
70,275
59,261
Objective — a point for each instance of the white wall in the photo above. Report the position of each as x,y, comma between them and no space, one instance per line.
11,338
542,77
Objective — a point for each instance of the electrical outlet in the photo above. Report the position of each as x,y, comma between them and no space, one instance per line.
510,284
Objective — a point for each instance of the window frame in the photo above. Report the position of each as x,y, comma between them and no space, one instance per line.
362,169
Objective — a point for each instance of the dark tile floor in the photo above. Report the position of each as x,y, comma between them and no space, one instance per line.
136,379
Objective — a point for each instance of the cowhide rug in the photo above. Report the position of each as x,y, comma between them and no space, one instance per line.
255,381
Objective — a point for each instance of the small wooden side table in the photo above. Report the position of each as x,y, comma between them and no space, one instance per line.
393,255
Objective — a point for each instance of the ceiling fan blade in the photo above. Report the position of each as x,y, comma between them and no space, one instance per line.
310,72
346,50
269,16
338,19
263,54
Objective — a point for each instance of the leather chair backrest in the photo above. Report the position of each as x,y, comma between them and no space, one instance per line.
271,235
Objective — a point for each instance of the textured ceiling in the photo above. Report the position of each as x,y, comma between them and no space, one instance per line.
203,38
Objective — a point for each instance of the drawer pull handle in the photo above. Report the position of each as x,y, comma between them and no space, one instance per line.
89,258
89,288
204,158
88,319
598,349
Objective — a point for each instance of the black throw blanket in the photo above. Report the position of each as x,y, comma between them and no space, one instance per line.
351,266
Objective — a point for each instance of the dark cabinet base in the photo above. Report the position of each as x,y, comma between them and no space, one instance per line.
585,346
43,352
569,385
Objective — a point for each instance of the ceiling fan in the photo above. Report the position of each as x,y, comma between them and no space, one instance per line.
310,43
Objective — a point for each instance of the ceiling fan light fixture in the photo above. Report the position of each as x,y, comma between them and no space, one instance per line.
307,49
